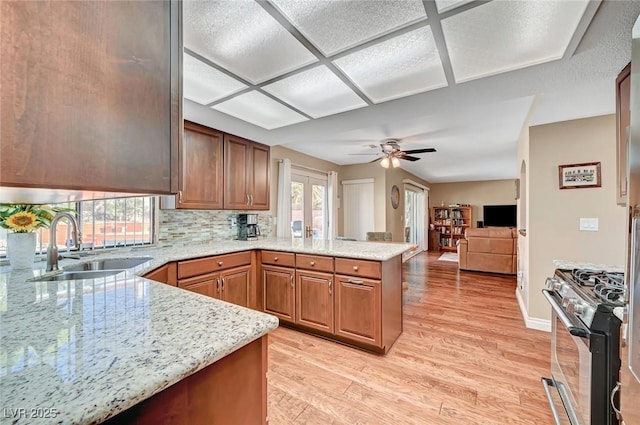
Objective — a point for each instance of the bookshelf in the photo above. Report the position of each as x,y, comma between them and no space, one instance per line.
451,222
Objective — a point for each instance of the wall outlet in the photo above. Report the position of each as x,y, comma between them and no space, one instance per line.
234,221
589,224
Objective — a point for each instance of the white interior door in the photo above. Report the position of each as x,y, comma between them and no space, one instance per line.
358,208
309,213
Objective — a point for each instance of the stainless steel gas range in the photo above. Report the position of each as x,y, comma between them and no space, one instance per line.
585,345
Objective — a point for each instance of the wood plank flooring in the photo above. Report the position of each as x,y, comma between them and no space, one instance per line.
464,358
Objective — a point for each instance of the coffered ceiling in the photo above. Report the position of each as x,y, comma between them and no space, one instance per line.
330,78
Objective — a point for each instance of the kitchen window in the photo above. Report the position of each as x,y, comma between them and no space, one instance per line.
105,223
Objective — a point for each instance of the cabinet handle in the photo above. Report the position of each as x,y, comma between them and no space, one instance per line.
275,258
179,196
355,268
248,200
223,283
251,197
312,263
356,281
220,263
292,281
218,286
330,285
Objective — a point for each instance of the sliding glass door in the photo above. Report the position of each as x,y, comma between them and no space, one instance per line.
309,213
415,218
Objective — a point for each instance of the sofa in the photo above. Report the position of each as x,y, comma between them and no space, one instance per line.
490,249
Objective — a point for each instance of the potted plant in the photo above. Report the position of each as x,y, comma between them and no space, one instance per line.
23,220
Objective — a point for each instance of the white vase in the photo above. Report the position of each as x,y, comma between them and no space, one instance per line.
21,249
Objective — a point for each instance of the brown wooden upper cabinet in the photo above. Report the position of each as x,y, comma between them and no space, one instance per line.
91,95
247,174
201,168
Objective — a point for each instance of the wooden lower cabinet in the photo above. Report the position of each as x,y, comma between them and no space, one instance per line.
206,285
229,285
359,304
234,286
232,390
314,300
279,292
357,310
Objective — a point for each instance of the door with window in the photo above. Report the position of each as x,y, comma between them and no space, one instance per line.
309,213
415,218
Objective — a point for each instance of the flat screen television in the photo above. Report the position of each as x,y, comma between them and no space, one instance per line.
500,216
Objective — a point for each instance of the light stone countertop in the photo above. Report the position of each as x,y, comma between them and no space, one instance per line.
93,348
569,264
375,251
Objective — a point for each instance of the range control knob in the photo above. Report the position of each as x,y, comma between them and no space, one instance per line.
554,284
574,306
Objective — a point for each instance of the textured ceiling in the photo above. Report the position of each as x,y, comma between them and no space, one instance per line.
329,78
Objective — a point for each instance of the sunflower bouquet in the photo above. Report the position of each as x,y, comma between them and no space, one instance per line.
27,218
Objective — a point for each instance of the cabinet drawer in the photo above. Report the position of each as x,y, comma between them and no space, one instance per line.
211,264
314,262
353,267
278,258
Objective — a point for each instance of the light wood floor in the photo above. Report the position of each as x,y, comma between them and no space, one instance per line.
464,358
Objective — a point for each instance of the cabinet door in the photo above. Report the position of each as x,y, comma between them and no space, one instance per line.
234,285
236,160
259,177
201,168
206,285
91,96
358,310
314,300
279,292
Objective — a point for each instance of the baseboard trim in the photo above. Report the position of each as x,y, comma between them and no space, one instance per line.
532,322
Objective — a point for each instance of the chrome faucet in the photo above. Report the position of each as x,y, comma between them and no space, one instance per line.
52,250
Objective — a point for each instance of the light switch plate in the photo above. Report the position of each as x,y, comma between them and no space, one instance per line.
589,224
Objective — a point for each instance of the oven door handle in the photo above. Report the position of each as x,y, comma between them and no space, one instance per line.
573,330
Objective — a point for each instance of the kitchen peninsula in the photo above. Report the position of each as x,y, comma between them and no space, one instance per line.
88,350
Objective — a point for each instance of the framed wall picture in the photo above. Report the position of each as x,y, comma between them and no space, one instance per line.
579,176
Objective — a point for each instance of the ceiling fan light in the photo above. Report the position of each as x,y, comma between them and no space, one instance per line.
385,162
395,162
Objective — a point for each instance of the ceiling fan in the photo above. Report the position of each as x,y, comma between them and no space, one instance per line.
392,154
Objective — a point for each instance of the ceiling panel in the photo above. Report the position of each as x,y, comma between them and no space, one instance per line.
502,36
398,67
261,110
333,26
317,92
204,84
243,38
444,5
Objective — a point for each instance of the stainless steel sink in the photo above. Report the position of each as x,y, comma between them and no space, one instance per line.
77,275
108,264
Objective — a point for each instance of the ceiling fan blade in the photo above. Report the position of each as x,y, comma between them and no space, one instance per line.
372,153
409,158
412,151
375,160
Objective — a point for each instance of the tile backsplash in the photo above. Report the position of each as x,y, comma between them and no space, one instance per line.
188,226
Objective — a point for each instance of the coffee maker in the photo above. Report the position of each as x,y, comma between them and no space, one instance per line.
248,229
